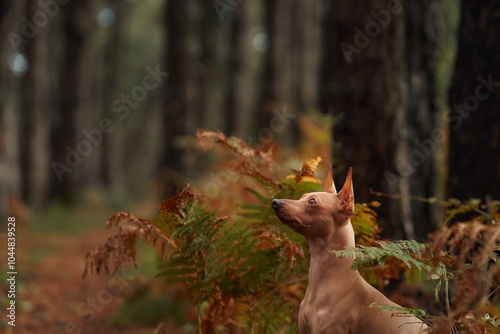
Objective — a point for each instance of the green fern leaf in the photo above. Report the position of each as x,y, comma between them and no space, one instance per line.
402,250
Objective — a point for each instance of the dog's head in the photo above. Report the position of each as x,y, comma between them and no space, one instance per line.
318,214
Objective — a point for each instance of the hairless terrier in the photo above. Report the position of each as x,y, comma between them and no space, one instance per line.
337,299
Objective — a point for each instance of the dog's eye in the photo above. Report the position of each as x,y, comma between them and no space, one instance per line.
311,201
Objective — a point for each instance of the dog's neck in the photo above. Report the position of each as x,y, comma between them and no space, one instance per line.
325,267
343,237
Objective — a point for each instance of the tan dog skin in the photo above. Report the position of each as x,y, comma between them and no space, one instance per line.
338,297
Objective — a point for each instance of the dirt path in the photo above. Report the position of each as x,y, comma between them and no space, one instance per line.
53,298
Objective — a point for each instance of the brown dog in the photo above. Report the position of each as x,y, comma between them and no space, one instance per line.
338,297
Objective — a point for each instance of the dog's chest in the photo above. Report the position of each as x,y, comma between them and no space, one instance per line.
319,317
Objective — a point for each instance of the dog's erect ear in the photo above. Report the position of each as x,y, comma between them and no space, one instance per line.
329,186
346,195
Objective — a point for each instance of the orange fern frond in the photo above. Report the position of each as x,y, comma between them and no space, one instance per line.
307,171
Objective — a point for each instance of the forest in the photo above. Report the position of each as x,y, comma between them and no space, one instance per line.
142,143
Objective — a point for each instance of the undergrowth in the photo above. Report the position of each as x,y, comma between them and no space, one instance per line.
247,272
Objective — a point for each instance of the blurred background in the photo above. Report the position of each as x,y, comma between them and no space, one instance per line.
100,100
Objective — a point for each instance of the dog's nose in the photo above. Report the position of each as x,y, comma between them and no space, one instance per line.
276,203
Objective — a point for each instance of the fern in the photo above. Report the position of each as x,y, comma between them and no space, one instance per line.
466,260
305,174
235,259
250,261
195,229
404,312
245,271
364,223
271,312
407,251
456,210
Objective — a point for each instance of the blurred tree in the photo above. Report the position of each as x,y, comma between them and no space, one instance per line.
290,70
218,63
222,55
474,121
113,150
215,49
178,93
76,100
269,72
378,74
284,37
309,15
10,176
36,119
199,89
245,67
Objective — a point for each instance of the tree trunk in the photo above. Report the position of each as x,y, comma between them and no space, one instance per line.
36,143
247,64
173,163
280,88
308,53
76,103
378,78
10,165
474,122
269,75
215,45
424,129
112,152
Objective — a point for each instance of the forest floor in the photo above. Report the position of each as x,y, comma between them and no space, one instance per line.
53,298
